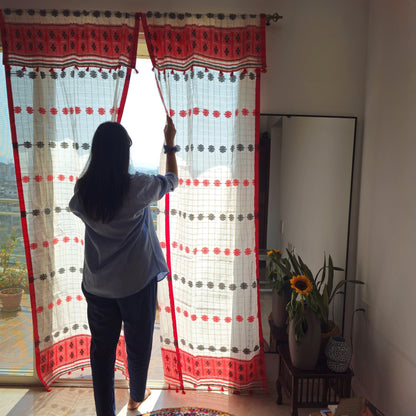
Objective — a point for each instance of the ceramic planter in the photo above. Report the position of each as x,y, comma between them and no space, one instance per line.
279,313
304,355
338,353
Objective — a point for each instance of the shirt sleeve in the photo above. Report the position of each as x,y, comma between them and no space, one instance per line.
155,187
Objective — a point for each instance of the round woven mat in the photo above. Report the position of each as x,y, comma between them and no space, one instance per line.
186,411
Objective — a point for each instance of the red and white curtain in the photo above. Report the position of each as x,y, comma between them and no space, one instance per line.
66,72
208,72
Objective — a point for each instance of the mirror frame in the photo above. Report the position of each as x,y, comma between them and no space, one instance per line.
352,179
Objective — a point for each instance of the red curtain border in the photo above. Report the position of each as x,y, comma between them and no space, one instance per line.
242,65
63,59
74,345
256,216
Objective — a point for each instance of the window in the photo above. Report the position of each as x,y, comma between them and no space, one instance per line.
16,348
144,119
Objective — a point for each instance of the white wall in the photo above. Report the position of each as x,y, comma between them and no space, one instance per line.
385,358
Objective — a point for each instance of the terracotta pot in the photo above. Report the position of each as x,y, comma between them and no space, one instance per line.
304,355
279,313
11,298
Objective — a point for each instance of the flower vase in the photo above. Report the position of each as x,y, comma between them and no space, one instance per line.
10,298
338,353
305,353
279,313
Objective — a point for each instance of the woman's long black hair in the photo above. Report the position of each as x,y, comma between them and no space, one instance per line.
105,182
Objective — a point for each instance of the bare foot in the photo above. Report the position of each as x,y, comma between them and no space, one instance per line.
135,405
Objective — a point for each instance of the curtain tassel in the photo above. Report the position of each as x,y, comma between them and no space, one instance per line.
209,388
52,71
222,388
100,70
24,69
169,388
76,67
172,71
232,74
206,69
88,69
245,71
183,391
37,69
135,69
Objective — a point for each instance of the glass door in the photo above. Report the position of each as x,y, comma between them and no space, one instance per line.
16,336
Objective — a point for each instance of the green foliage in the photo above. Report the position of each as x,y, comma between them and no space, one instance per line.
279,272
13,273
318,291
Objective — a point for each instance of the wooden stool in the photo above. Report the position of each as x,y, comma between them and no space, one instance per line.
312,388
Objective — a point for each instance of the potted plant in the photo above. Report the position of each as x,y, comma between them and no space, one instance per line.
13,273
279,277
310,301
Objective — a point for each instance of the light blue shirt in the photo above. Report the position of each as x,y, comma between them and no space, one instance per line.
124,255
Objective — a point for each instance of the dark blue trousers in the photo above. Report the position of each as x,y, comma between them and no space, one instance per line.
105,317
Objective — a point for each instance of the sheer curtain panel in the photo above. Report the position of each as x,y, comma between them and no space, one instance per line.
208,71
66,72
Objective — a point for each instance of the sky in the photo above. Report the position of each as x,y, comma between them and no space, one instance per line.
144,118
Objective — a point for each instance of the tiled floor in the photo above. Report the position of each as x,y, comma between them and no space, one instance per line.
78,401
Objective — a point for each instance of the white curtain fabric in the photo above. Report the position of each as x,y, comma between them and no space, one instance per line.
56,114
209,309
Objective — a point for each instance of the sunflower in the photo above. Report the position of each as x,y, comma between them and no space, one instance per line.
301,284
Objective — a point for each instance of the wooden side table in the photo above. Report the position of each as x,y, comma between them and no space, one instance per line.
313,388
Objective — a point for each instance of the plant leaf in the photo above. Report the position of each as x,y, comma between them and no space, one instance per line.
330,275
343,283
294,262
323,273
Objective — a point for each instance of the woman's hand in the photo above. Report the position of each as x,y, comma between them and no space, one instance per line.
170,132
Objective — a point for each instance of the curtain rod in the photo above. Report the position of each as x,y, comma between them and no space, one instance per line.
272,17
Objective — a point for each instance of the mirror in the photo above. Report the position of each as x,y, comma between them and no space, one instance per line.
305,190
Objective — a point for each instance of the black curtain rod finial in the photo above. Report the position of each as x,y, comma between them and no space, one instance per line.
272,17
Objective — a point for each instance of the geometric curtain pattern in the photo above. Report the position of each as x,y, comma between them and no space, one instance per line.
222,42
66,72
209,306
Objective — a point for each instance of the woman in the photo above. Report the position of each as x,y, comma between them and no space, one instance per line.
123,258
